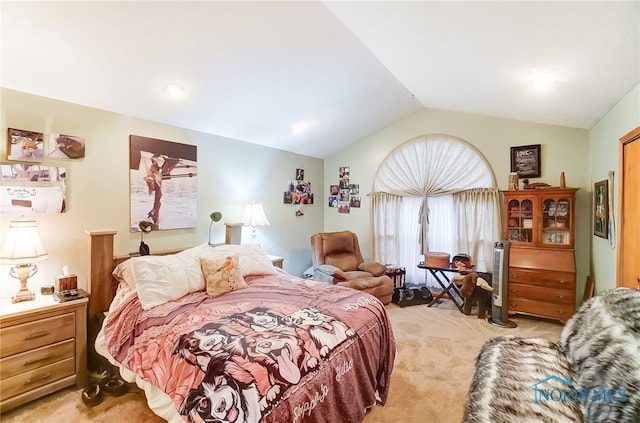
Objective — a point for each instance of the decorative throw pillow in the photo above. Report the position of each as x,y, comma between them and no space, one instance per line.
222,274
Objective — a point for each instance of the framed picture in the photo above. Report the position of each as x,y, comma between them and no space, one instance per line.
600,209
525,160
32,188
163,183
25,146
66,147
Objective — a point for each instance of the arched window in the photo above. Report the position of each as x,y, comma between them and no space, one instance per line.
434,193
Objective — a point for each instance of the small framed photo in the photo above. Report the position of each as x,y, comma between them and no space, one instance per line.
525,160
601,209
25,146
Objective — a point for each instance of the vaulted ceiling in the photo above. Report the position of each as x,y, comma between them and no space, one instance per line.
313,77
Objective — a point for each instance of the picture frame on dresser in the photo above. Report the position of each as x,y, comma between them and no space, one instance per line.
600,209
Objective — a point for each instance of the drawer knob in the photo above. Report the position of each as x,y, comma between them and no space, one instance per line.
514,275
37,379
561,311
561,297
562,281
37,335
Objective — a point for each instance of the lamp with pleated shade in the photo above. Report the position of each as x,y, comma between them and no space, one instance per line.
22,250
254,216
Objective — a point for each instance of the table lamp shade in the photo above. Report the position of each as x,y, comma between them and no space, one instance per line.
254,215
22,244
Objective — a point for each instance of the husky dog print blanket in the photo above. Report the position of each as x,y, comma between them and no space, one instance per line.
282,350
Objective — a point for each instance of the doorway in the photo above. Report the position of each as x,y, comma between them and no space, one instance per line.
628,265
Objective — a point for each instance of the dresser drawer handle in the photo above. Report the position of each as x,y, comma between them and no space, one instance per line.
514,275
35,360
37,335
560,297
562,311
562,281
38,379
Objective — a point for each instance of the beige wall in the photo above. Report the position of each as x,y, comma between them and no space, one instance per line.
230,174
603,157
563,150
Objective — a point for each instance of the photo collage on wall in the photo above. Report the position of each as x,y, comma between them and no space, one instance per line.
35,186
344,195
298,193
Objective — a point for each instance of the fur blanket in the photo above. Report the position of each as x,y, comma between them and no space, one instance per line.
592,375
505,386
602,343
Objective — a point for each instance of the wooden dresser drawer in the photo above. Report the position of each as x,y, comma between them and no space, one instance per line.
547,278
539,293
30,360
35,378
540,308
27,336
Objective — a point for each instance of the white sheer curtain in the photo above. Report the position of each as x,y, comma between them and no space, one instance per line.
426,170
478,224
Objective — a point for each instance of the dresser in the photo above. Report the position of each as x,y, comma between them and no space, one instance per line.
539,223
43,348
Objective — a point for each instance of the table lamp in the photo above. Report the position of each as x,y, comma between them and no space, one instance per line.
254,216
215,217
23,249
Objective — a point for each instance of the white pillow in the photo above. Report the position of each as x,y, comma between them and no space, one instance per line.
159,279
252,260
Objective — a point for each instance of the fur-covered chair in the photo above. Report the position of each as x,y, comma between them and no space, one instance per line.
592,374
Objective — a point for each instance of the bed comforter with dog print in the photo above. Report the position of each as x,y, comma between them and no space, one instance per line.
282,350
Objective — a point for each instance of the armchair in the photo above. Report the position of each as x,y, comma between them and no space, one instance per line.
337,259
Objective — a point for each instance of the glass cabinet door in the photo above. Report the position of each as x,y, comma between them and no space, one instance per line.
556,222
520,221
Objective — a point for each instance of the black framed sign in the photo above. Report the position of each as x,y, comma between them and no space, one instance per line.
525,160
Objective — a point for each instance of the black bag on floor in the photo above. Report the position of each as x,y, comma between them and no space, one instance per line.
411,296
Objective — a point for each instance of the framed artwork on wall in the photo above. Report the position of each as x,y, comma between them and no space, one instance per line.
600,209
25,146
32,188
66,147
525,160
163,185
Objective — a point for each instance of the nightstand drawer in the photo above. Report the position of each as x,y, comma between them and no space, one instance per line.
30,360
27,336
30,380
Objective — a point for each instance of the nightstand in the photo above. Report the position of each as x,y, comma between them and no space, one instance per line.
43,348
276,260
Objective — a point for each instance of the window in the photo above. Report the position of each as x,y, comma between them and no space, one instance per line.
424,200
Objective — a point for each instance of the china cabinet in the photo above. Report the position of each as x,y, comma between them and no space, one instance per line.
540,224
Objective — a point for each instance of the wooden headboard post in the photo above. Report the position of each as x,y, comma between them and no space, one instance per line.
99,286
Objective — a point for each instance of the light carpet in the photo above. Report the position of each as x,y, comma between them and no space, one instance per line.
436,352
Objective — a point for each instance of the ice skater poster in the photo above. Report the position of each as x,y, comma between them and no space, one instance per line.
163,184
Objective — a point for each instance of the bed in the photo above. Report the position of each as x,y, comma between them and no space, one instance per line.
276,349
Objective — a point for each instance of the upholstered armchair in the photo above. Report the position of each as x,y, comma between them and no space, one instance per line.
337,259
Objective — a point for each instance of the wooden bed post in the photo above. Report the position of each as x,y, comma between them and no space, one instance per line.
100,266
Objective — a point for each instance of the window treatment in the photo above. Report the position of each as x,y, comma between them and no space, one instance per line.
427,167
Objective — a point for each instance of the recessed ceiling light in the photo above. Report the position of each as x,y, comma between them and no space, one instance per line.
175,90
298,128
542,83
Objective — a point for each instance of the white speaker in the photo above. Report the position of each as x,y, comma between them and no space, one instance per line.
500,283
